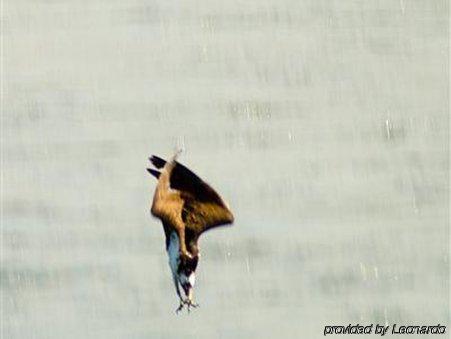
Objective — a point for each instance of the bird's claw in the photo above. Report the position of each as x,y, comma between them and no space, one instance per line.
180,307
188,304
171,163
191,304
177,152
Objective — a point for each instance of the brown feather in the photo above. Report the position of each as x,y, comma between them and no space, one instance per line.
202,208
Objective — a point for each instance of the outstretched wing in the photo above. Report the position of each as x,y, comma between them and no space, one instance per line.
184,180
203,208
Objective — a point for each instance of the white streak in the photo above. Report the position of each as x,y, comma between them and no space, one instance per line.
192,279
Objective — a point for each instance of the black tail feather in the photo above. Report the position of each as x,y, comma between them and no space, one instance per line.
157,161
155,173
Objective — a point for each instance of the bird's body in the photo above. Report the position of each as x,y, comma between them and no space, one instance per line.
187,207
180,276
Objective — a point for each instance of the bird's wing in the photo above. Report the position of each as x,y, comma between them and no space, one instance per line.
183,179
203,208
201,216
155,173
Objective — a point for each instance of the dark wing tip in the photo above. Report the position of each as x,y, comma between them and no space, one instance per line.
231,218
155,173
157,161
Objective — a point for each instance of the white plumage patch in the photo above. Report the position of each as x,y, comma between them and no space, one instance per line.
191,279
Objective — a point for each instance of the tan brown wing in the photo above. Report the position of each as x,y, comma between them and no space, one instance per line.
185,180
201,216
203,208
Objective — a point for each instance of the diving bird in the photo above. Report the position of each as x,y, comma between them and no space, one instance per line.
187,206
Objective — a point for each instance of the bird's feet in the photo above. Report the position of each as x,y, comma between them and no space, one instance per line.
189,304
171,163
180,306
177,152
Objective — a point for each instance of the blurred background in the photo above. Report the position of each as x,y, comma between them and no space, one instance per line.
324,124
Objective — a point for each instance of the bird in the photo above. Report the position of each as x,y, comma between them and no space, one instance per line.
187,207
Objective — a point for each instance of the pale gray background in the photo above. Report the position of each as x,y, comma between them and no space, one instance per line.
323,123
